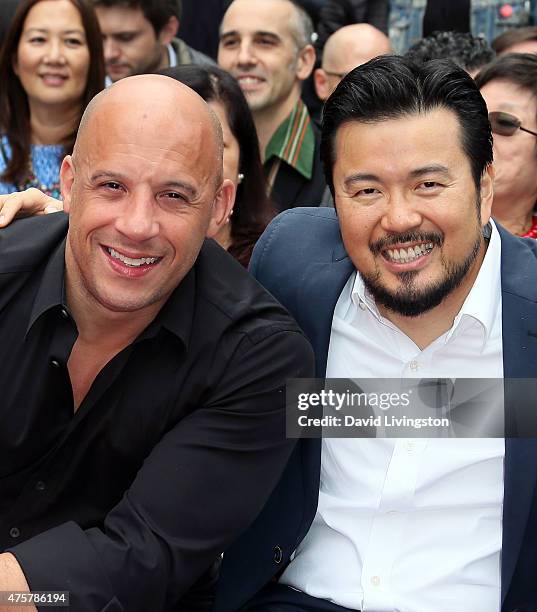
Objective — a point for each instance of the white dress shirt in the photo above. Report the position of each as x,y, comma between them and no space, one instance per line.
410,525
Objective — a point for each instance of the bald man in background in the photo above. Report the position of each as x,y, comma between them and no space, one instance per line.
346,49
142,386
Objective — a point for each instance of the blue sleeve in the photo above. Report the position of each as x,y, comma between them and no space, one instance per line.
5,187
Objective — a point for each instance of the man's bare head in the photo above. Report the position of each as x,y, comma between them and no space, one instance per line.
157,103
346,49
143,189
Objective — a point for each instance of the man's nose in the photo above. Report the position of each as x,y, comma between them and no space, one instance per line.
246,54
111,50
137,221
401,214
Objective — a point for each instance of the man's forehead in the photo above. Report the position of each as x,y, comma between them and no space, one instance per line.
245,17
121,17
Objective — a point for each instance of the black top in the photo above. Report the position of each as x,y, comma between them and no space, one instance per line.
446,16
173,451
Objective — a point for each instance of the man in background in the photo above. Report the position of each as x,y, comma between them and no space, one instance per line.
347,48
266,46
140,36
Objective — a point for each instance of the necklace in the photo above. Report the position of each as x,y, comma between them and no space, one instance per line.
31,180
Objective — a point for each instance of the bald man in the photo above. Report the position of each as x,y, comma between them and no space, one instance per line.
346,49
143,369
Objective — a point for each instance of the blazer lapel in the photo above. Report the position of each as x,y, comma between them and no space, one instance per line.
319,293
519,333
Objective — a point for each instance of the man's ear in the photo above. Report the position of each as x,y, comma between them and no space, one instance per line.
322,86
306,62
486,191
67,177
222,208
169,31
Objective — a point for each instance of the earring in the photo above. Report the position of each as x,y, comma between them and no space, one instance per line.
229,216
240,178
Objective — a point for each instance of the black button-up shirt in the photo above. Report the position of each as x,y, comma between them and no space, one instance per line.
173,451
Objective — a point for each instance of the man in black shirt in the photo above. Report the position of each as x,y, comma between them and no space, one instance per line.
143,370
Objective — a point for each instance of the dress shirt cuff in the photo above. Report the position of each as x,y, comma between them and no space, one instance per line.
62,559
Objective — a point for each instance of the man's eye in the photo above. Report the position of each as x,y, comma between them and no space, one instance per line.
266,42
430,184
112,185
229,43
174,195
367,191
126,38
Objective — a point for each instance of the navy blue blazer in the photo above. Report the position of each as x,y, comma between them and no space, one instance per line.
301,260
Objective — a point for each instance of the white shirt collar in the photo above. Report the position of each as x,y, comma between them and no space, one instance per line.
172,56
480,304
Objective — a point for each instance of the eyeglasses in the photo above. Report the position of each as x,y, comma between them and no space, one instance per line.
505,124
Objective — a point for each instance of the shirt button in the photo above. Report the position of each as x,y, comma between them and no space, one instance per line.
14,532
55,364
414,365
278,555
362,305
64,313
40,485
375,581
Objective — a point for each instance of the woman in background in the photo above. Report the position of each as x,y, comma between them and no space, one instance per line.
51,66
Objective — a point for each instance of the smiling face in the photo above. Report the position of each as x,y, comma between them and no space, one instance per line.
515,157
258,47
52,59
142,195
408,209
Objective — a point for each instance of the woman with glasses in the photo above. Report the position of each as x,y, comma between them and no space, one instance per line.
51,66
509,86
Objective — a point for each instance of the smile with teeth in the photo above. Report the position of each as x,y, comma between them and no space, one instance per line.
129,261
410,254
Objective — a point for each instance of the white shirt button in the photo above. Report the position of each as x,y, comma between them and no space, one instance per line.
414,365
375,581
362,305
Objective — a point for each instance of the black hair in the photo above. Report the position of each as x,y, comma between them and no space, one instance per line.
252,208
157,12
390,87
467,51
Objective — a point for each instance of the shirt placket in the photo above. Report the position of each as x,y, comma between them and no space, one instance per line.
388,526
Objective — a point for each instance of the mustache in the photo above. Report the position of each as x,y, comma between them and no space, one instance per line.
388,241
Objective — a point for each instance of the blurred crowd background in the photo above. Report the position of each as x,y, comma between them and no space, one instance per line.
265,67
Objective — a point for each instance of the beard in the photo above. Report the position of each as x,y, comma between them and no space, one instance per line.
410,300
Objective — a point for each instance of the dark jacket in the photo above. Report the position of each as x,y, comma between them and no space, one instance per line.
338,13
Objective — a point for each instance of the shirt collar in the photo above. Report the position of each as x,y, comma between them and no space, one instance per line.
176,315
172,56
481,303
294,142
51,292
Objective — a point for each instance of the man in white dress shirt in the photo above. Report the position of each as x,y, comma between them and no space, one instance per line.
408,279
